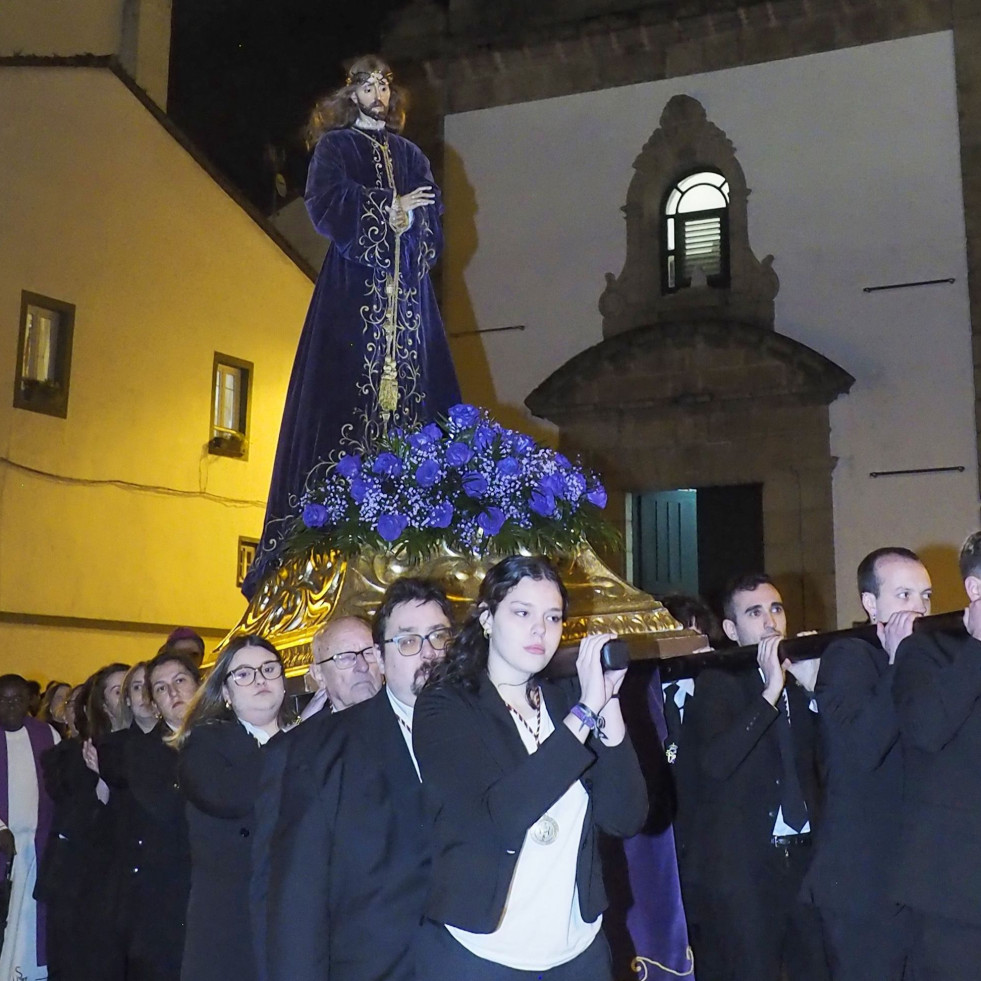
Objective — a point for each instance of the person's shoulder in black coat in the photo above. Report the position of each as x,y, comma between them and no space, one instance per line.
219,768
937,690
857,841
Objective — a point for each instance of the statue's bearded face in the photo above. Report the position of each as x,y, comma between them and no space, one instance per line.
373,97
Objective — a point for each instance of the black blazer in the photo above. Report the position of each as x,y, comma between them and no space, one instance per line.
740,771
858,840
339,890
153,860
484,791
937,690
219,768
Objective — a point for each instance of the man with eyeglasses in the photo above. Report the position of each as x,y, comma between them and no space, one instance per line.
341,871
345,663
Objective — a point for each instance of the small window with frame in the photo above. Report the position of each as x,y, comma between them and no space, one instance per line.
231,388
695,232
44,354
247,548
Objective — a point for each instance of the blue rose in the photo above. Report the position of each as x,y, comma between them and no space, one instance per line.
359,489
458,454
427,473
490,521
508,467
552,483
348,465
483,437
563,461
391,526
474,484
541,502
441,515
523,444
433,432
597,495
314,515
419,441
387,463
464,416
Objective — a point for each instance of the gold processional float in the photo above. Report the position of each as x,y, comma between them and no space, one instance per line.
316,581
300,597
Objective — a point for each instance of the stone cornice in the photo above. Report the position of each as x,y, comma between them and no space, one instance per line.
480,66
682,367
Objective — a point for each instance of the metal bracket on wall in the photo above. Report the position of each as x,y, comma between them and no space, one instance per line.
903,286
487,330
906,473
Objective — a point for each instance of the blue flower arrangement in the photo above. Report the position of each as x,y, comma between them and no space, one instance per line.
465,483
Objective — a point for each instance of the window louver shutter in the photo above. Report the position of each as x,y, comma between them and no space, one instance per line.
703,246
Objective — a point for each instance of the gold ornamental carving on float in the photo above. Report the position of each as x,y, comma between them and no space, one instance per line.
308,590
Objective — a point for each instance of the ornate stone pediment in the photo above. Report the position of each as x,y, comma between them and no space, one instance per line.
687,366
685,143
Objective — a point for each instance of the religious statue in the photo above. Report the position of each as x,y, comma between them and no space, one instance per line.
373,355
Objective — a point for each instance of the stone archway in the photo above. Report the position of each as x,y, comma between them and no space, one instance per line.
708,403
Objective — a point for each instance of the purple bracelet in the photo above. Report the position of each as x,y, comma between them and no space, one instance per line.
593,722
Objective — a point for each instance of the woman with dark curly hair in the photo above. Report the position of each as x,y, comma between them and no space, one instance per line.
234,713
520,775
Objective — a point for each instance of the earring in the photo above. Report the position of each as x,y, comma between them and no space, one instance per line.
228,704
486,630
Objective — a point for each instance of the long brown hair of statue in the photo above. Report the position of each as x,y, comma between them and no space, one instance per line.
338,110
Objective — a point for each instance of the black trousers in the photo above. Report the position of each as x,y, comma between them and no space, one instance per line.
758,928
867,946
439,955
945,950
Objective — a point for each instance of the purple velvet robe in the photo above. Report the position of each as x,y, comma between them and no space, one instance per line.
332,403
656,920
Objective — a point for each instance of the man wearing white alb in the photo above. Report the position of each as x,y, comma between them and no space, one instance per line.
25,819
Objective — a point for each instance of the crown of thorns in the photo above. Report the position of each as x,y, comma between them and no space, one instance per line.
362,78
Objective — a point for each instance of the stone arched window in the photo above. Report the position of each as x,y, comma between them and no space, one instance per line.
695,227
688,253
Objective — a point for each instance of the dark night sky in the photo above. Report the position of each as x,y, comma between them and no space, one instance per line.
245,74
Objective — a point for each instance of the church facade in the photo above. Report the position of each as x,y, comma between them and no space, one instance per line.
714,246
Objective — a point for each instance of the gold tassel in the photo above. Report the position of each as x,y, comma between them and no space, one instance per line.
388,390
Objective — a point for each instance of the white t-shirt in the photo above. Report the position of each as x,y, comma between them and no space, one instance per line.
542,926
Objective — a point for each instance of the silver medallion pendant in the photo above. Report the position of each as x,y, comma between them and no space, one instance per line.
545,830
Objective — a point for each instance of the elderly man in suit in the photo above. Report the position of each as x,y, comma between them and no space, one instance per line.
867,933
756,739
937,690
342,866
345,665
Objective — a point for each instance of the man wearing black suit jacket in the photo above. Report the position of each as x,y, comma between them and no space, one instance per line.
756,740
340,886
866,932
938,699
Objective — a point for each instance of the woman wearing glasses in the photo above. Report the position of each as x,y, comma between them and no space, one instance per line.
238,710
521,775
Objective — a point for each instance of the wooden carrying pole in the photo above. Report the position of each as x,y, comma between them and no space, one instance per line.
677,663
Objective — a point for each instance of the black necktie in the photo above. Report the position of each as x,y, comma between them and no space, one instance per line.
672,716
792,799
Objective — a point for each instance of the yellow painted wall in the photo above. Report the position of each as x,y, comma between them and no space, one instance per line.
60,27
103,209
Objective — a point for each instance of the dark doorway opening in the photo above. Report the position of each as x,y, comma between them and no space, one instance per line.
693,540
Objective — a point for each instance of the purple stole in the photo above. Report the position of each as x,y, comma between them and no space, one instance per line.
42,739
656,920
